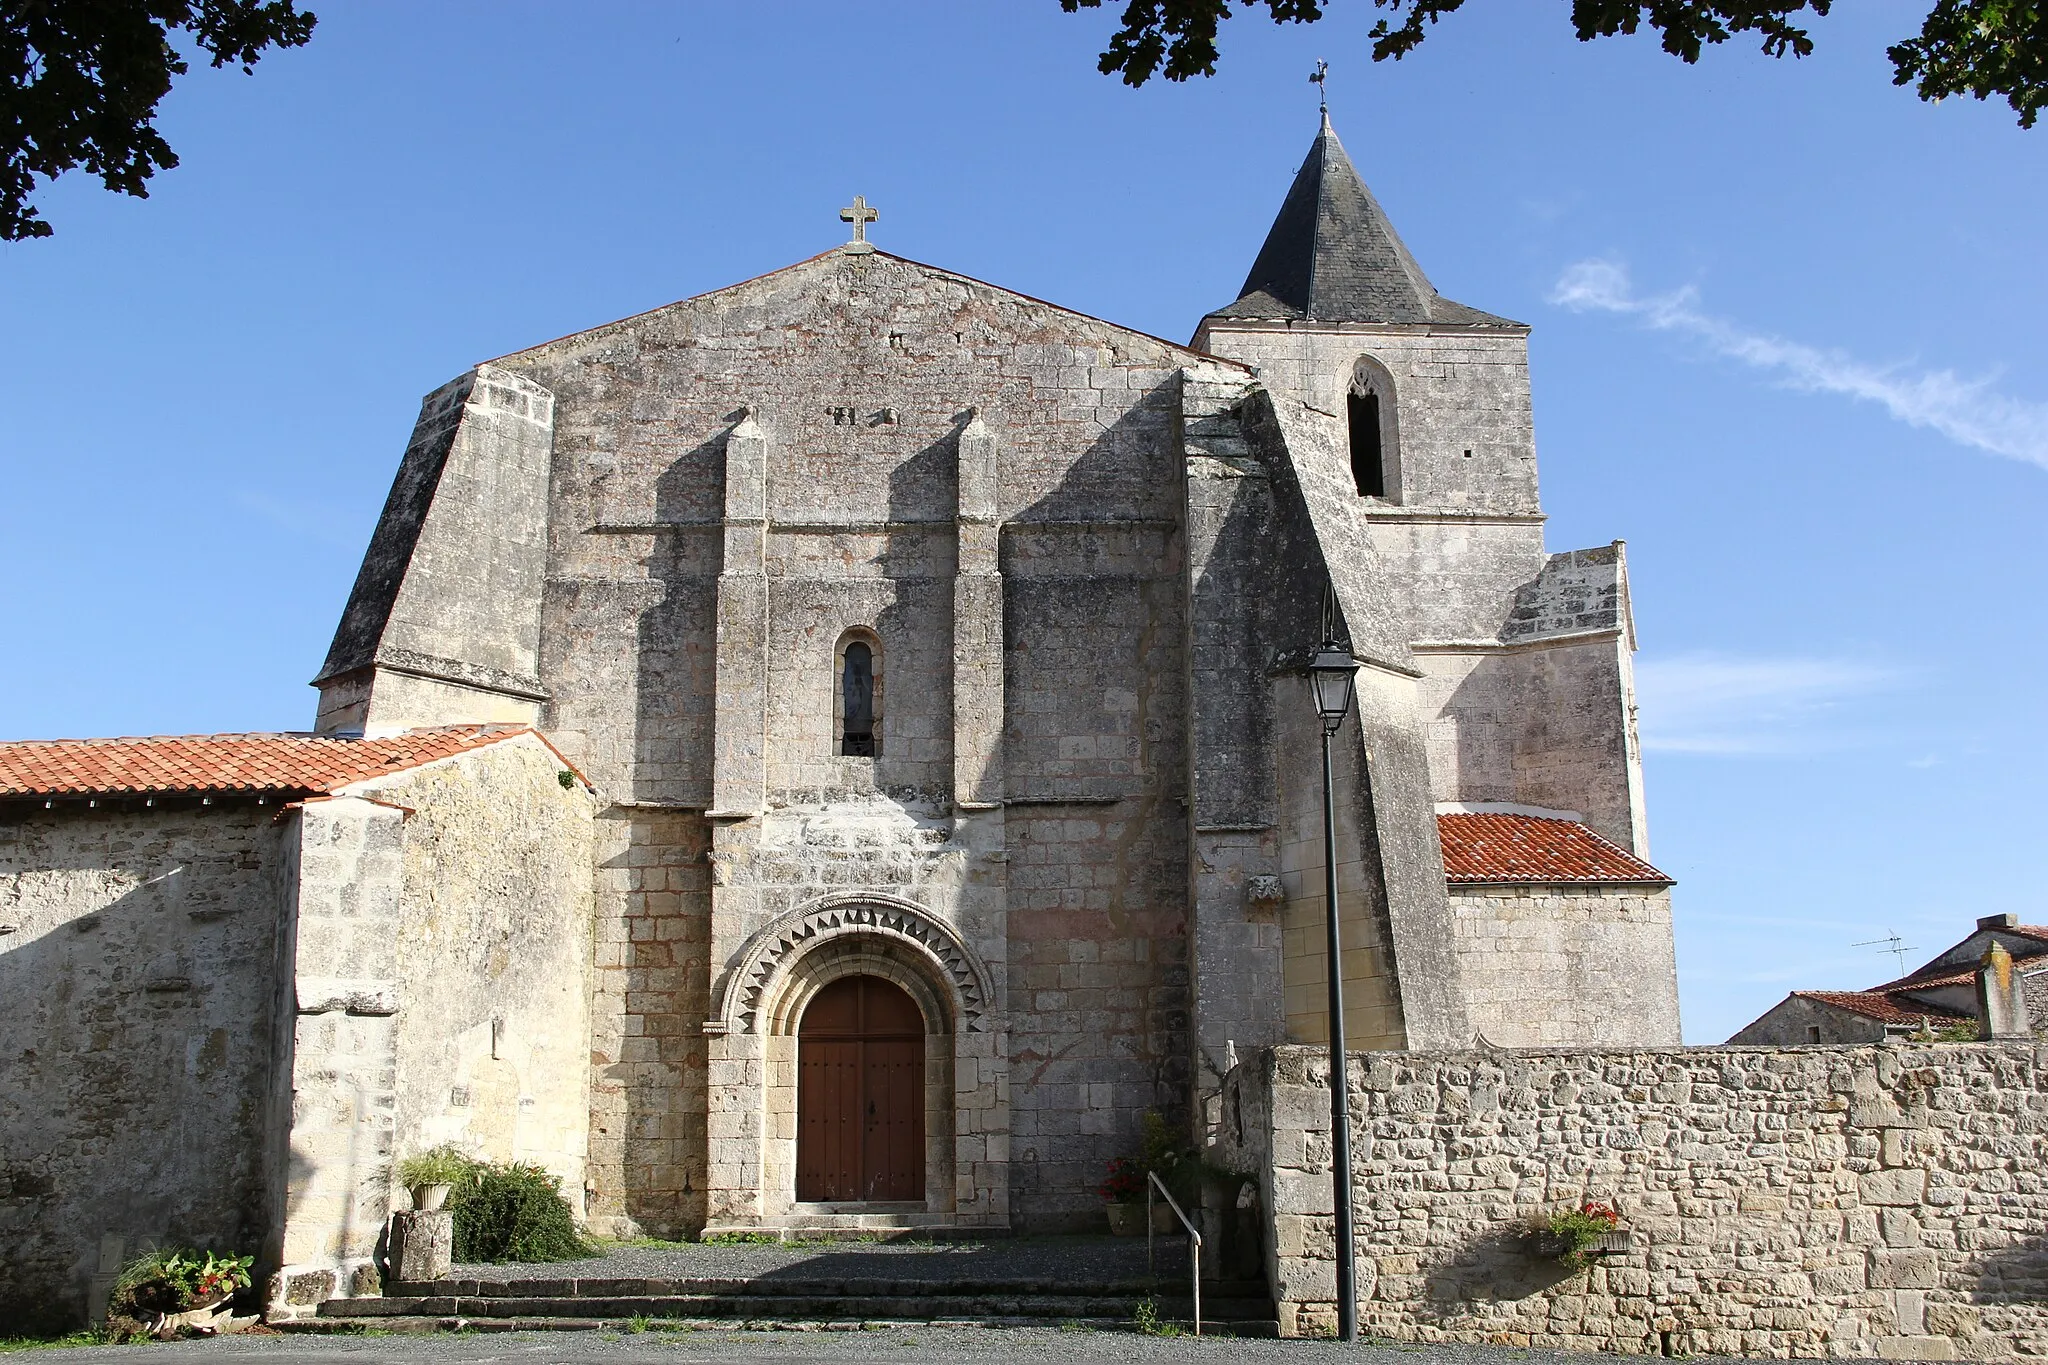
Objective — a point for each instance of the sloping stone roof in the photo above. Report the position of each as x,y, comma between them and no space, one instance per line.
199,764
1332,255
1489,847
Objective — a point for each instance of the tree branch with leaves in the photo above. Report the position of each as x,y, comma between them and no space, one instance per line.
1984,48
80,81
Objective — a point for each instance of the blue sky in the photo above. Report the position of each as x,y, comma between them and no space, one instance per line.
1786,345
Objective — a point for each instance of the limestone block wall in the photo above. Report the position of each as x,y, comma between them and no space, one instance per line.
650,993
1372,997
137,975
442,626
1569,966
1879,1201
1550,725
340,1055
1465,430
441,973
796,456
493,958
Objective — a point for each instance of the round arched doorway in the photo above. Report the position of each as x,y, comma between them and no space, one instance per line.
860,1094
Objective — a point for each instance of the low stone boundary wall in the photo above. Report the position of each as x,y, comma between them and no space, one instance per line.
1877,1201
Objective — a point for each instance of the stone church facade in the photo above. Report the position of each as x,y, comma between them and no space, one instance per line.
835,752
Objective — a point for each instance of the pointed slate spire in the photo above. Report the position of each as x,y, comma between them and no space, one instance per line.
1333,256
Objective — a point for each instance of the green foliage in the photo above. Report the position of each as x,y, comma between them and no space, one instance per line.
1966,47
80,83
1147,1322
1981,48
1575,1232
513,1213
443,1165
90,1337
172,1280
1961,1031
743,1239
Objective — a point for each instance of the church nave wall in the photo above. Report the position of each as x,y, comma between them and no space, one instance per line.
650,992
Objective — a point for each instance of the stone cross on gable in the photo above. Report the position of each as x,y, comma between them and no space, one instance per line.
860,215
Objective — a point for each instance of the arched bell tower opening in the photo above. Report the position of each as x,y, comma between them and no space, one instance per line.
860,1094
1371,415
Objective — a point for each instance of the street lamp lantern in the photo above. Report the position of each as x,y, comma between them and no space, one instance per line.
1332,672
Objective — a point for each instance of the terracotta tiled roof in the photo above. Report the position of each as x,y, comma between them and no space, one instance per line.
1484,847
1883,1008
1959,976
224,763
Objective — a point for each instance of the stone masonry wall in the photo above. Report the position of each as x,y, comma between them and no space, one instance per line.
651,981
441,976
792,453
136,981
494,959
1883,1201
1568,966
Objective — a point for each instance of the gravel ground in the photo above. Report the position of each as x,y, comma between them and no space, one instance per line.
909,1345
1080,1261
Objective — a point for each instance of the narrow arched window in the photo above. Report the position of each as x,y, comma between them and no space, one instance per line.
1368,450
1369,410
857,699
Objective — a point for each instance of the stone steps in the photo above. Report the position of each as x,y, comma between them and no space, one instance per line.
414,1325
570,1304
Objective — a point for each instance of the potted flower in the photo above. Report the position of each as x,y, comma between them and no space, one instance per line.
1577,1237
172,1292
1123,1194
429,1175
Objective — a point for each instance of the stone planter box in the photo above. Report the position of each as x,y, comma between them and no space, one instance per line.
1551,1247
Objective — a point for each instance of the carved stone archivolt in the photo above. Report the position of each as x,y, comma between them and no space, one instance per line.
886,921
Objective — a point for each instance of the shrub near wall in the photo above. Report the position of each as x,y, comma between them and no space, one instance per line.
1886,1200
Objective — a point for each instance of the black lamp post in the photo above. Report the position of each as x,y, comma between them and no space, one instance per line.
1332,673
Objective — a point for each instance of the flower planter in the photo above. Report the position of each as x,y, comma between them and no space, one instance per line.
208,1320
1125,1220
1551,1246
427,1198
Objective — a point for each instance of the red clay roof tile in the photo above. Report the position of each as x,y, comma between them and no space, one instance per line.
1487,847
1883,1008
224,763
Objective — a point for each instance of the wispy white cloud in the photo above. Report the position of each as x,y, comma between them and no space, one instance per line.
1721,704
1966,411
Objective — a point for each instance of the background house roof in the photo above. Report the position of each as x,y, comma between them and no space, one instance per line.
1883,1008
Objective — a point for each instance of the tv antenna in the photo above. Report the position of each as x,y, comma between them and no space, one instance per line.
1890,943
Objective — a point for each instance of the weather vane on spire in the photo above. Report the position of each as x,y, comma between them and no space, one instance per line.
1320,80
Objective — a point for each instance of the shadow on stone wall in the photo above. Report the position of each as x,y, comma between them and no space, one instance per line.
135,1045
1495,1267
1107,618
2017,1273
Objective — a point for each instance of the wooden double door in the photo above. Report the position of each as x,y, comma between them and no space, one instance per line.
860,1094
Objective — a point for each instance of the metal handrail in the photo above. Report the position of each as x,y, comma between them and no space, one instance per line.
1152,1180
